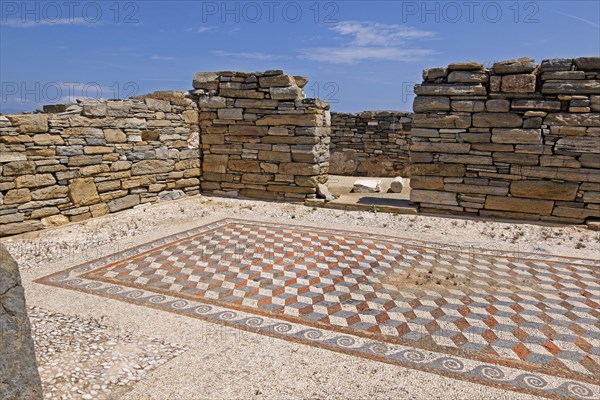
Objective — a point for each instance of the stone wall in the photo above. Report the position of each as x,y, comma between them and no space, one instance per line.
260,136
370,143
19,378
93,158
519,140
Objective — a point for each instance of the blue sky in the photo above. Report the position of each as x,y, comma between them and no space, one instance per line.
359,55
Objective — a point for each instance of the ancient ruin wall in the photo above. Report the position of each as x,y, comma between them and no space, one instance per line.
19,378
519,140
260,136
95,158
370,143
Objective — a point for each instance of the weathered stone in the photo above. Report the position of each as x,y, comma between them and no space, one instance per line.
503,203
301,81
17,196
450,90
563,75
367,186
50,192
123,203
398,184
324,193
230,113
546,190
19,168
30,181
437,169
202,78
587,63
145,167
295,168
522,83
572,87
519,66
465,66
588,119
19,378
579,144
441,121
430,74
290,119
29,123
431,103
497,120
433,197
243,165
468,77
556,64
517,136
286,93
497,105
83,192
434,147
15,229
526,104
276,81
115,136
467,105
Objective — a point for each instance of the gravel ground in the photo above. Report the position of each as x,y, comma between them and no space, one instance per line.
87,359
224,363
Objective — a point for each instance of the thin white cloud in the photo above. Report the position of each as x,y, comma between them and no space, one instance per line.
19,23
202,29
162,58
377,34
353,55
586,21
249,55
371,41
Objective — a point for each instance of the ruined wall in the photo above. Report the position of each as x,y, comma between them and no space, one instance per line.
19,378
370,143
260,136
94,158
517,141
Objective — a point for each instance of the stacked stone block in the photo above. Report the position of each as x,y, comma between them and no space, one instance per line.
519,140
94,158
370,143
260,136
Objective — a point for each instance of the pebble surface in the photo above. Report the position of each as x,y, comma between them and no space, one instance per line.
87,359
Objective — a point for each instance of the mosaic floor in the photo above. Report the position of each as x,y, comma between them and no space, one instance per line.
516,321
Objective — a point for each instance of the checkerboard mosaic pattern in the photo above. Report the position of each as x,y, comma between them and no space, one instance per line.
517,321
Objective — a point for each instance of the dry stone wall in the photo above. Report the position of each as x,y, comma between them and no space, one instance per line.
260,136
370,143
93,158
19,378
519,140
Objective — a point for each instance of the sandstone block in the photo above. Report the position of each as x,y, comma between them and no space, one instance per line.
230,113
276,81
123,203
547,190
497,105
215,163
441,121
286,93
519,66
435,147
524,104
468,77
450,90
17,196
587,63
502,203
517,136
291,119
467,105
570,119
433,197
572,87
431,103
19,168
243,165
465,66
38,180
437,169
522,83
83,192
497,120
556,64
29,123
152,167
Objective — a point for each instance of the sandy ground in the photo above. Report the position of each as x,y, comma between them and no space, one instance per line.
225,363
